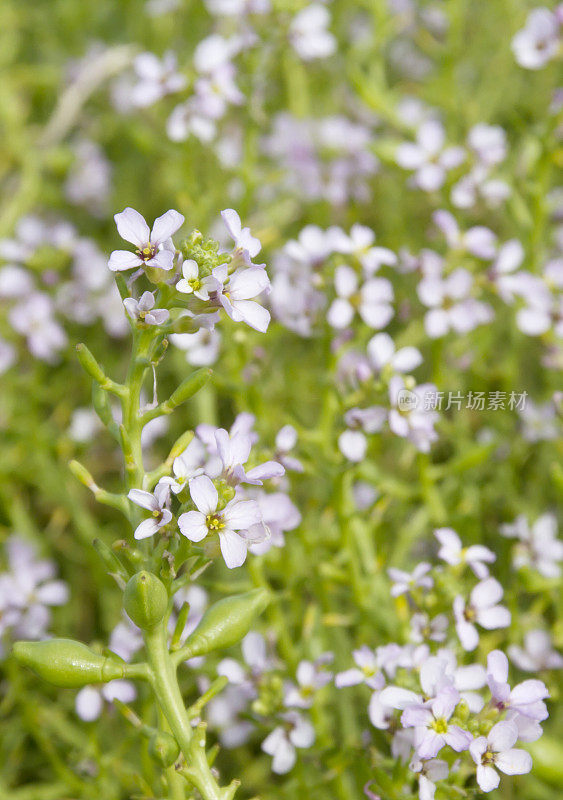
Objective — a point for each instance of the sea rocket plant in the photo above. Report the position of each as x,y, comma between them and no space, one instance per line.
325,440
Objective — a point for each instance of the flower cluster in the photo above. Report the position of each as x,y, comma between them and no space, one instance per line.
28,590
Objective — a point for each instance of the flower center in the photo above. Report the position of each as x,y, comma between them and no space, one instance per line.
214,522
146,252
488,757
440,725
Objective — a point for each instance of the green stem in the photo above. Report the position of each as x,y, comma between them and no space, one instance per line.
192,743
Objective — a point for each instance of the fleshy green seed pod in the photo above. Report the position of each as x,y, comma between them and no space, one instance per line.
145,599
67,663
89,364
164,748
225,623
187,389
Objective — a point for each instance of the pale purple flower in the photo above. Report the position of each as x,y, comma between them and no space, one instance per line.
201,347
483,609
125,639
538,545
295,731
353,445
238,8
413,420
526,699
234,294
312,247
359,243
432,727
479,241
451,307
404,582
425,629
156,78
443,668
428,773
27,591
242,237
311,676
186,466
15,281
231,523
488,142
144,311
478,185
372,301
156,504
309,34
279,514
537,654
428,157
382,353
452,552
149,244
286,440
366,671
497,750
33,318
190,282
234,450
89,701
539,40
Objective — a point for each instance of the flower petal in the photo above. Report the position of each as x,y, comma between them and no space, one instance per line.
120,260
192,526
204,494
132,227
233,548
165,226
514,762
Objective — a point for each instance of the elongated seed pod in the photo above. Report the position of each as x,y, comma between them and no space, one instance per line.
66,662
187,389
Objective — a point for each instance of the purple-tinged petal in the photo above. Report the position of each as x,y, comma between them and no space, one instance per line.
147,528
132,227
121,260
233,548
192,526
204,494
487,778
514,762
165,226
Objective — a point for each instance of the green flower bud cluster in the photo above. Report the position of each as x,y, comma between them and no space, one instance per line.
205,252
270,696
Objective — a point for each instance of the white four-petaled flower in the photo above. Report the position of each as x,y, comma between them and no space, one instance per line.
149,244
231,523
